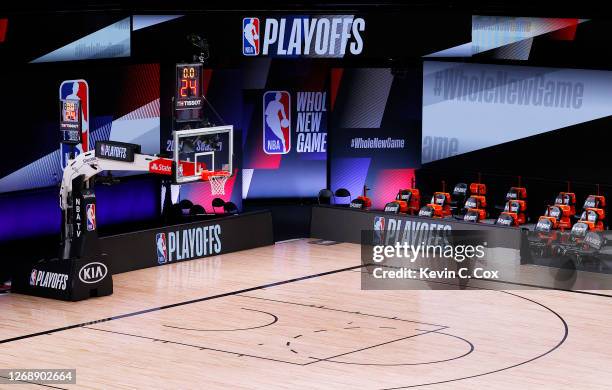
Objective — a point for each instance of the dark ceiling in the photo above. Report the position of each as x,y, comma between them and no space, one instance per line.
584,8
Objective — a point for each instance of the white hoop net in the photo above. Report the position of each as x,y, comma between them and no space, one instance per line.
217,184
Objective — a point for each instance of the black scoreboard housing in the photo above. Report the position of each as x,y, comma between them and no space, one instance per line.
70,121
188,99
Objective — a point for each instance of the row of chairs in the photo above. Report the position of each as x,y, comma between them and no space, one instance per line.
186,207
559,215
326,195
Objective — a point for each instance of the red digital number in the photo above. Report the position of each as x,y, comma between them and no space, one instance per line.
194,87
184,86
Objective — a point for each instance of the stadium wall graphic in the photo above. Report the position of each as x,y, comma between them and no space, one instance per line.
375,131
467,107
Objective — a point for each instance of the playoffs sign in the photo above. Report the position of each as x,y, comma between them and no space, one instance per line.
332,36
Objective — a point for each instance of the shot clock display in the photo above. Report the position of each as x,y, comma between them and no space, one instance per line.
70,121
188,91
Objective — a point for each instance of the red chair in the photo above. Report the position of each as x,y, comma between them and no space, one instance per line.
475,215
595,202
594,217
516,209
517,193
562,215
409,200
432,211
478,189
442,199
567,199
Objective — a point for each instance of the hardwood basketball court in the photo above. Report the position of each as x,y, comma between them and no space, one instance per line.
292,315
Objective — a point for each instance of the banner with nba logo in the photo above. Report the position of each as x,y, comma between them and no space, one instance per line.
276,122
285,145
250,36
309,125
76,90
90,211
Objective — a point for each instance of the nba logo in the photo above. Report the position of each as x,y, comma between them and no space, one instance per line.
76,90
276,122
379,230
33,278
250,36
162,251
91,217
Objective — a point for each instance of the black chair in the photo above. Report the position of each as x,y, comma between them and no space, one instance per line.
217,202
230,208
185,204
197,209
342,193
325,196
175,213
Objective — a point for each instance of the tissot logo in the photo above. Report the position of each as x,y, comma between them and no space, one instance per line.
321,36
191,243
93,272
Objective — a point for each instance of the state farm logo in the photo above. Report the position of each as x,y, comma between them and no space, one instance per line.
161,166
93,272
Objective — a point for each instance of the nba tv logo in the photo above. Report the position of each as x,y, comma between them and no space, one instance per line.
91,217
250,36
276,122
162,248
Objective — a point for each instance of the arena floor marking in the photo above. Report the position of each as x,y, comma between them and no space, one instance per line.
330,359
384,338
136,313
327,330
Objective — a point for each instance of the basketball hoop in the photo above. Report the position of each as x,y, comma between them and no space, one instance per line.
217,180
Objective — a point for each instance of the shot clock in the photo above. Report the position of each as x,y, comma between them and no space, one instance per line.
188,101
70,121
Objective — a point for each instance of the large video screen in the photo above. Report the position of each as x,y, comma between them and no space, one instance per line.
376,122
468,107
286,109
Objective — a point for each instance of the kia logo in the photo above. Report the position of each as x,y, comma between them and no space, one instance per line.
93,272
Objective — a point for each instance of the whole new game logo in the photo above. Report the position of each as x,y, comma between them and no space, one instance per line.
187,244
318,36
310,122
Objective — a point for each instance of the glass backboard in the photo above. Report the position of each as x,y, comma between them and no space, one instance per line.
196,150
